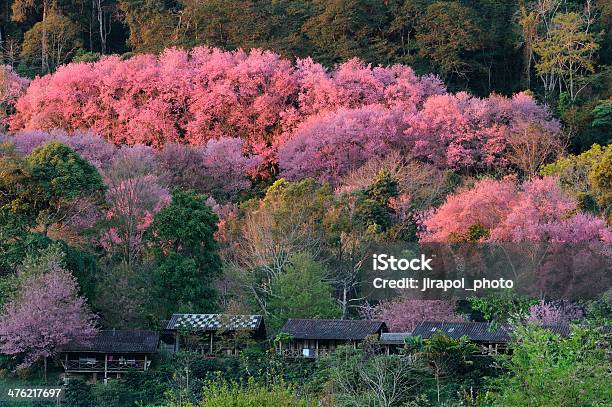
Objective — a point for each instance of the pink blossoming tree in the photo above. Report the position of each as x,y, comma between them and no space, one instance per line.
537,210
403,315
330,146
546,313
47,314
206,93
12,86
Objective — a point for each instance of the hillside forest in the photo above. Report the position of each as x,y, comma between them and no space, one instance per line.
246,156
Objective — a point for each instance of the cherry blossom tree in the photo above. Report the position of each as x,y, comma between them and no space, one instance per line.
403,315
135,194
226,167
485,205
206,93
328,147
542,211
537,210
47,314
91,147
181,166
548,313
134,203
12,86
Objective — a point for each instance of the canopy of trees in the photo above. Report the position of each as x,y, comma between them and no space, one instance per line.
248,157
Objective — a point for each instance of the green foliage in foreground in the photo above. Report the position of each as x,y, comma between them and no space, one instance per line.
502,308
225,394
546,370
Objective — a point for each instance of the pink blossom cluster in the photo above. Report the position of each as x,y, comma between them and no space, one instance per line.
88,145
12,86
548,313
537,210
459,131
221,165
403,315
302,108
48,314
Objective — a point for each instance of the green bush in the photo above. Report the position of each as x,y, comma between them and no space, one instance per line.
78,394
547,370
221,393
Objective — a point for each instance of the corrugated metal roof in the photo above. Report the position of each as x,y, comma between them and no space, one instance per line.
394,338
332,329
476,331
214,322
117,341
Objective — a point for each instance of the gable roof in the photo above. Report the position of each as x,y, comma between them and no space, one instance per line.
340,329
394,338
214,322
116,341
476,331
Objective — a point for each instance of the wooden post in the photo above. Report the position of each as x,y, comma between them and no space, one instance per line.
317,348
145,363
105,368
176,342
210,351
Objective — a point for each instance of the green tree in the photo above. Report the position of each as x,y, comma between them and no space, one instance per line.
151,25
40,190
57,178
51,42
600,178
587,177
286,221
78,394
228,24
22,9
446,358
183,246
602,117
502,308
566,53
446,34
221,394
301,292
343,29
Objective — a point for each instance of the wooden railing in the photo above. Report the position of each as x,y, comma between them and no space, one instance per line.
111,366
298,353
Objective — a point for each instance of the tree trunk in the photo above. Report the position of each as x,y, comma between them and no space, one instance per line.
44,58
101,26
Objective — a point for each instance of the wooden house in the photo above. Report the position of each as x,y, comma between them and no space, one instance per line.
392,342
109,354
311,338
212,334
490,338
